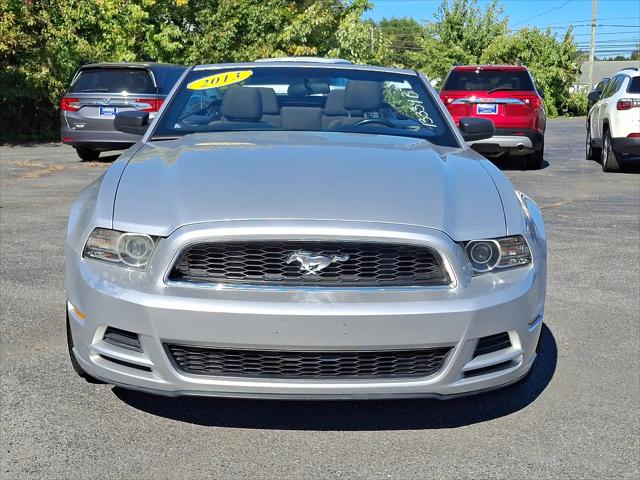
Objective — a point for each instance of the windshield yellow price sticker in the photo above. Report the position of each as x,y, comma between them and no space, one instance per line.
219,80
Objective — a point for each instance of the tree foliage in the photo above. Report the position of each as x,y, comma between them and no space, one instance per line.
554,63
43,42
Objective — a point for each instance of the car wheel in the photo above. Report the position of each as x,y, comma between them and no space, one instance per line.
74,361
592,153
534,160
610,159
87,154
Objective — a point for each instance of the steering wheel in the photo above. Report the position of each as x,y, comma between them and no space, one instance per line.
380,121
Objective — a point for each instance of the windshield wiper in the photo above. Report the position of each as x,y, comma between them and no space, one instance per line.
159,138
500,88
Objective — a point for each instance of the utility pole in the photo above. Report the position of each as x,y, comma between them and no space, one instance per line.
592,49
373,42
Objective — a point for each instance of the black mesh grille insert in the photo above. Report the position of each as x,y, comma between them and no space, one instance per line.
492,343
306,364
122,339
355,264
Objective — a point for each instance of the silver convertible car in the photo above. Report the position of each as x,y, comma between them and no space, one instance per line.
304,230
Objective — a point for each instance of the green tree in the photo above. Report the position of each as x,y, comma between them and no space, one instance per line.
554,63
43,42
405,37
463,31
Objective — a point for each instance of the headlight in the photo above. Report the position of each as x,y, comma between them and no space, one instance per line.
499,253
119,248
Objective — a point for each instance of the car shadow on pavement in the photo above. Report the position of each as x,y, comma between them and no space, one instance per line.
104,158
514,163
343,415
631,165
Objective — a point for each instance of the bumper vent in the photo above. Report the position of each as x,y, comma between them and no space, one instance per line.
492,343
122,339
353,264
306,364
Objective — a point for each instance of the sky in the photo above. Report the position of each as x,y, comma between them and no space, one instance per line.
618,30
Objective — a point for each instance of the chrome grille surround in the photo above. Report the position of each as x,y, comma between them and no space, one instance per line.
262,263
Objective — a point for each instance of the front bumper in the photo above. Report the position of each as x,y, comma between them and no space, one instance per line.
305,319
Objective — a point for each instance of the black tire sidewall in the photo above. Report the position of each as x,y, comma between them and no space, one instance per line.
610,161
589,146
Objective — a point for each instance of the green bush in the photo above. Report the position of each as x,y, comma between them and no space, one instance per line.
43,42
576,105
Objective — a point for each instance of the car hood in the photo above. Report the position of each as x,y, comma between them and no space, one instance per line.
308,176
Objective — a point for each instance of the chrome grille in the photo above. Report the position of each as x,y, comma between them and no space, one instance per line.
369,264
200,360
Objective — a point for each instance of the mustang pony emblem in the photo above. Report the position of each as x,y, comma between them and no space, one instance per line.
311,263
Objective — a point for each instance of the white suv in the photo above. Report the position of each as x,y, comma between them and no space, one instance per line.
613,123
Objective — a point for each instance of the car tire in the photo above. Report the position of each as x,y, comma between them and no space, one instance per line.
87,154
591,152
610,158
74,361
534,160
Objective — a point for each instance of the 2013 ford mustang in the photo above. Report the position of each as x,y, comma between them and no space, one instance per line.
304,230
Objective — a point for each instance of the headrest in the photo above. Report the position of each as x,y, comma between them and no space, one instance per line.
242,104
335,104
363,95
269,99
319,87
297,89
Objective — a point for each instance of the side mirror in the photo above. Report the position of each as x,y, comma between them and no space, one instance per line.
594,96
474,129
133,121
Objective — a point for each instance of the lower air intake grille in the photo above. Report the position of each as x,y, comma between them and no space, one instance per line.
337,264
306,364
492,343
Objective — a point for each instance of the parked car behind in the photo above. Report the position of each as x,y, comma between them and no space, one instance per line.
613,123
98,91
505,94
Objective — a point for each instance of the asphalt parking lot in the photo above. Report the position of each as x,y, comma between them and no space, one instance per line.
576,417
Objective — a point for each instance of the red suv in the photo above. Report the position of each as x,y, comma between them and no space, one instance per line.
506,95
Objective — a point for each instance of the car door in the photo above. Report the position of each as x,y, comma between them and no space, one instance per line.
600,109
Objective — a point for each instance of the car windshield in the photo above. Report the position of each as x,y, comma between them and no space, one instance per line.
486,80
307,99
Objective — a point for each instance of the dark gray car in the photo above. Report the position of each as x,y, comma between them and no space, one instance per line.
98,91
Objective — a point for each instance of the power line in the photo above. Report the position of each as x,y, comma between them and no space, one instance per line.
543,13
588,20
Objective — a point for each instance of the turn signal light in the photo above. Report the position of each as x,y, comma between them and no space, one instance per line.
628,103
70,104
532,101
154,104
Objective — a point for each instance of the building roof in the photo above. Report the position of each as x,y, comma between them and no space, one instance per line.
604,68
